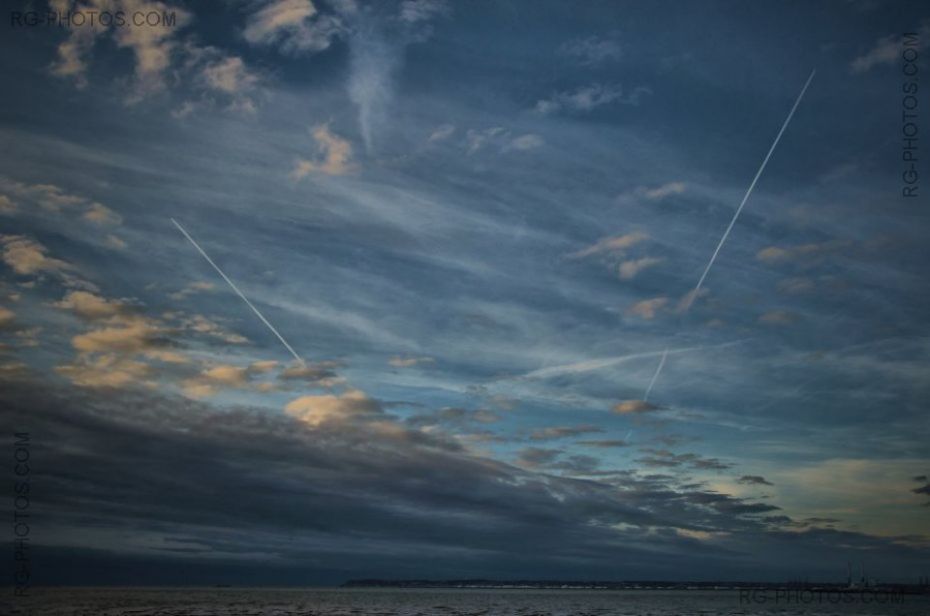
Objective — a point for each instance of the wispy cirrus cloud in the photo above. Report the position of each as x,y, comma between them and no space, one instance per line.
591,50
615,244
887,50
589,98
628,270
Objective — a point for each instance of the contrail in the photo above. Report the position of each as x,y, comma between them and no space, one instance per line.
655,376
238,292
691,296
598,364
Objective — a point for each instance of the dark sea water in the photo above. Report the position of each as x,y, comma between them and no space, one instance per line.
412,602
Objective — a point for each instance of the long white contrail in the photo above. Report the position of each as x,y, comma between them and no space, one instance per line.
697,288
606,362
238,292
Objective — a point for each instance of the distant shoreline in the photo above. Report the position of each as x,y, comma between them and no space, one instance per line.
477,584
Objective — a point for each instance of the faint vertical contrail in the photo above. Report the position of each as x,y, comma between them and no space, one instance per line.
697,288
655,376
238,292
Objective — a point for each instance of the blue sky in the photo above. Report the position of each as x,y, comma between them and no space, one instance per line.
477,224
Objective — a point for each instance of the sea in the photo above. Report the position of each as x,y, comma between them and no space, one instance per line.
456,602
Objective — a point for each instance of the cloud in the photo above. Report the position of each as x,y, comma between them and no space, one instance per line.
90,306
526,142
629,269
162,58
7,206
115,242
192,288
604,443
356,476
230,75
335,155
537,456
755,480
26,256
592,50
589,98
647,308
924,489
802,252
666,459
153,47
557,432
228,376
616,244
409,362
416,11
54,199
7,318
778,317
130,334
441,133
629,407
888,50
217,79
292,26
317,410
454,415
102,215
666,190
202,325
108,370
373,62
49,197
476,140
320,374
377,45
795,286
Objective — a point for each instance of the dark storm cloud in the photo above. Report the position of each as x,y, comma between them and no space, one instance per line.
557,432
924,489
605,443
754,480
666,458
223,487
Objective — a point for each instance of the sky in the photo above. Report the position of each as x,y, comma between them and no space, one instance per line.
476,225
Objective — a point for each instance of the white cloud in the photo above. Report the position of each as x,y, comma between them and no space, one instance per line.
441,133
591,97
592,50
660,192
526,142
888,50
